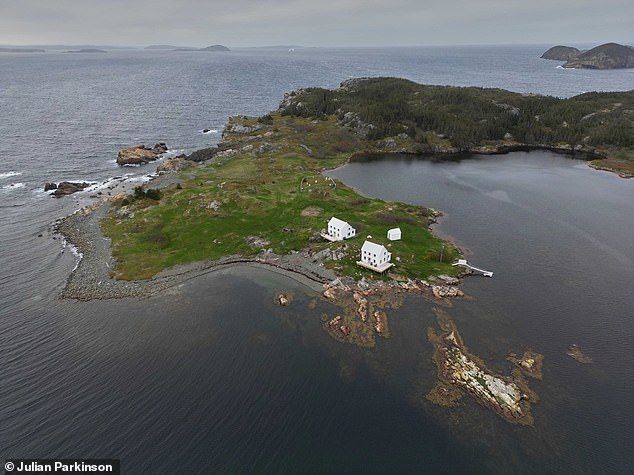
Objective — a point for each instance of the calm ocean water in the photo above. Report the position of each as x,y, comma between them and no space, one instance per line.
212,377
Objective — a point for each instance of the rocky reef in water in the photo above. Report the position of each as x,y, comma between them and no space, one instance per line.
508,396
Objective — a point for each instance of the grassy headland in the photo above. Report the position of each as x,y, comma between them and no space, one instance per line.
265,189
268,192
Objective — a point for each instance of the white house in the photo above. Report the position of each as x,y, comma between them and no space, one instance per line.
339,230
394,234
375,257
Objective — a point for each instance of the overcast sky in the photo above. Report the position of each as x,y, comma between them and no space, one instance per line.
315,22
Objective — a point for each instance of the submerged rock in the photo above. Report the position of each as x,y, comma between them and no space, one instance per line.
283,299
575,353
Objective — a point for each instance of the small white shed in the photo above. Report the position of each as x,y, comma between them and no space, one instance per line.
394,234
338,230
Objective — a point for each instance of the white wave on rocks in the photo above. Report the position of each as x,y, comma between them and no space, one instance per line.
4,175
14,186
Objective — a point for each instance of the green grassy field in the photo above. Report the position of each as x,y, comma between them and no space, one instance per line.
270,198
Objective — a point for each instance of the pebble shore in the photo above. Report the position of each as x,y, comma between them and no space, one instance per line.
91,278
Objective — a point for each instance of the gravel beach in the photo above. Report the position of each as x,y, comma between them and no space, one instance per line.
91,278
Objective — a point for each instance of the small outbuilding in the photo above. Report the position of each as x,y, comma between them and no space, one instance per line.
338,230
375,257
394,234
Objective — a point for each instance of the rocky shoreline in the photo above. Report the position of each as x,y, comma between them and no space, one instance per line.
91,277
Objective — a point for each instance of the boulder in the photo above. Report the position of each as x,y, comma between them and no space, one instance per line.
68,188
173,164
140,154
283,299
50,186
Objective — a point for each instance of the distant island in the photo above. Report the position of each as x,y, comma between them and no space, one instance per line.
561,53
86,50
606,56
21,50
208,48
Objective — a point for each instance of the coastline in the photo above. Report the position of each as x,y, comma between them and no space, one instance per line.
91,277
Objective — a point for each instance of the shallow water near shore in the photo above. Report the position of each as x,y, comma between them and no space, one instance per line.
557,235
212,376
213,372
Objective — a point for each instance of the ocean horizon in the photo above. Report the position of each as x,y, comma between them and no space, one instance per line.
212,376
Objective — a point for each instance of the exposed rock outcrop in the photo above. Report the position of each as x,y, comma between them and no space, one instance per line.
509,397
174,164
140,154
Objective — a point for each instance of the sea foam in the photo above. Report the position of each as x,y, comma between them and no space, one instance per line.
9,174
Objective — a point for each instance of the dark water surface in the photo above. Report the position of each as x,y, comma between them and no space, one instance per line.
558,236
213,377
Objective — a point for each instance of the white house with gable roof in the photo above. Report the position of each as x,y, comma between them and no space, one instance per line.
375,257
339,230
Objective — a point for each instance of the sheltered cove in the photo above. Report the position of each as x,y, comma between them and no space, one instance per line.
244,205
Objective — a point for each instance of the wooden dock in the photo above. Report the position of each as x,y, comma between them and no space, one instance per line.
464,263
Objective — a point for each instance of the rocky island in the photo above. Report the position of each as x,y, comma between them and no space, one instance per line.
561,53
86,50
509,397
606,56
208,48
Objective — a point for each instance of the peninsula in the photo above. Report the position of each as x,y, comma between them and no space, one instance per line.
245,199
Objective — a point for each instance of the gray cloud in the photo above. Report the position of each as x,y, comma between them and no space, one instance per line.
312,23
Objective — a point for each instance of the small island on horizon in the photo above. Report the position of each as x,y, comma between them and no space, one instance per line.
605,56
86,50
208,48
